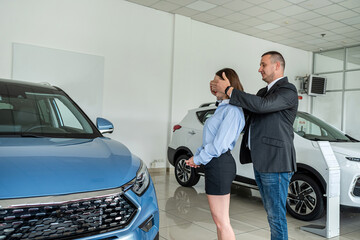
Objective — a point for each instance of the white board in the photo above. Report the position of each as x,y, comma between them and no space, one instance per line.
80,75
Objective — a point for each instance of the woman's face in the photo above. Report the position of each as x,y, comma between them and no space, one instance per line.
220,96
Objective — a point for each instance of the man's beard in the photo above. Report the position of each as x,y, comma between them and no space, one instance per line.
269,78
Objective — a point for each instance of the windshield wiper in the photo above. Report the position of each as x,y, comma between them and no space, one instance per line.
31,135
351,138
342,140
316,139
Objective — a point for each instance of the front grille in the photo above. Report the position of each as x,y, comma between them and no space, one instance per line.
356,190
66,220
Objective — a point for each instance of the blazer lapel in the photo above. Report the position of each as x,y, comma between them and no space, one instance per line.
277,84
262,92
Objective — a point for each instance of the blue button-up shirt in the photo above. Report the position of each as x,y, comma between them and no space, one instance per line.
220,133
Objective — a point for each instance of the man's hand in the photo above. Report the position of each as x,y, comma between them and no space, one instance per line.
190,162
219,86
212,91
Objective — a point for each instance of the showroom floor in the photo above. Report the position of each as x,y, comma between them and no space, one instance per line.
185,214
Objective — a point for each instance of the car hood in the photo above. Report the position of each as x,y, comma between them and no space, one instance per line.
33,167
347,148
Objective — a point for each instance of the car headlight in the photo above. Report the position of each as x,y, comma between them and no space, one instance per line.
142,180
355,159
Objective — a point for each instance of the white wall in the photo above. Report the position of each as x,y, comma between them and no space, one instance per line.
157,65
136,43
200,50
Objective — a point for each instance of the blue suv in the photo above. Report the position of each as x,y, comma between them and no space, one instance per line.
60,178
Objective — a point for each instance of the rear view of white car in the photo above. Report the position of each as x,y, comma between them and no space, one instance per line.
307,188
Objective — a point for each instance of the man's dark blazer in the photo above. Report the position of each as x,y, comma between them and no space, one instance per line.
271,117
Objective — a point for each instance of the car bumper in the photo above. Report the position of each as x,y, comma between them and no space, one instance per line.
147,210
350,184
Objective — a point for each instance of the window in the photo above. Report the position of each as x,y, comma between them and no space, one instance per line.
31,112
339,105
204,115
352,80
329,61
67,117
312,128
353,58
334,81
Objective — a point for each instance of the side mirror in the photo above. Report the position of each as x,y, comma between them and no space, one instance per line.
104,125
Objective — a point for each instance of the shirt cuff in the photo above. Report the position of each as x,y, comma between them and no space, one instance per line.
197,160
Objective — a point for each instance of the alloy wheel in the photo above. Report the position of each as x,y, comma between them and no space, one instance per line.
302,197
183,171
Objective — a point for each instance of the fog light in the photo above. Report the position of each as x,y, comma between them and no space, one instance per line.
147,224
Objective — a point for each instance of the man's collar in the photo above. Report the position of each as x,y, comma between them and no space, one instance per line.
273,83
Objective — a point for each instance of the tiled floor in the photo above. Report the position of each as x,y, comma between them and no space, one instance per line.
185,214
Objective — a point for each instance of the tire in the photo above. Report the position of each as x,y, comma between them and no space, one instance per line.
305,199
185,175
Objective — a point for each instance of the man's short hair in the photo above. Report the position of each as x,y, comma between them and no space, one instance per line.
276,57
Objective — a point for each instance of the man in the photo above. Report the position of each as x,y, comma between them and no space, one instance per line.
268,137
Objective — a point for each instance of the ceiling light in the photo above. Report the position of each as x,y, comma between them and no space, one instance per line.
201,6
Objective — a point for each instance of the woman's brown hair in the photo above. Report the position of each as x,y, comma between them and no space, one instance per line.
232,76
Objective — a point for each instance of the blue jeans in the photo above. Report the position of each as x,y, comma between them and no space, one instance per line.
273,188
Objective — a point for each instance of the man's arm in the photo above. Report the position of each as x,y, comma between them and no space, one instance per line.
284,98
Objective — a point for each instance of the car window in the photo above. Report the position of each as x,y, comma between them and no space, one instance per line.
204,115
67,117
312,128
306,127
26,112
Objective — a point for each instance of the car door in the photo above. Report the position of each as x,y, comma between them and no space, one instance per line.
195,133
242,170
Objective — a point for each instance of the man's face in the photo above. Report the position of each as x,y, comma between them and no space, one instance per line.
267,69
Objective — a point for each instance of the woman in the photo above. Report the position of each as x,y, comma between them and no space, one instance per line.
221,132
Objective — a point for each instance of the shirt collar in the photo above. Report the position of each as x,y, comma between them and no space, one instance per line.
273,83
225,101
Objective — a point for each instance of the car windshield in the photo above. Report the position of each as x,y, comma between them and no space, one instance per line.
312,128
27,111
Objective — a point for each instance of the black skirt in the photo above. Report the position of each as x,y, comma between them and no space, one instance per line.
219,174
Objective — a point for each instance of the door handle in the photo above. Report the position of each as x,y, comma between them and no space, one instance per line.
192,132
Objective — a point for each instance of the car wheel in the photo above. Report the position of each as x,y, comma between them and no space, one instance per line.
184,174
305,198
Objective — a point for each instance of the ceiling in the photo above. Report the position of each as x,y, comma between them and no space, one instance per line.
311,25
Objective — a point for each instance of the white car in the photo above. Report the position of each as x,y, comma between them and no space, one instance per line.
306,198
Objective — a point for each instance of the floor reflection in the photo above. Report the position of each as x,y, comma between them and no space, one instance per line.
185,214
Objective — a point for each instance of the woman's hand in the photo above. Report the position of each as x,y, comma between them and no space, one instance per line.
190,162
